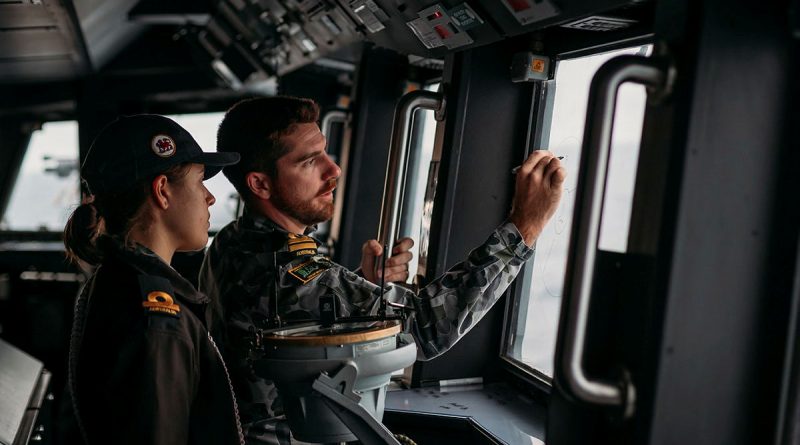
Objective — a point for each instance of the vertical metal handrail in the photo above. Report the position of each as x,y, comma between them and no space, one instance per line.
586,223
329,229
396,168
330,118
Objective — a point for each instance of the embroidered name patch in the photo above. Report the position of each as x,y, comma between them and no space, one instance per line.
162,303
309,270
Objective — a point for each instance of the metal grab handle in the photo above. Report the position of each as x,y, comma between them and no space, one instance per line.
586,222
396,169
331,117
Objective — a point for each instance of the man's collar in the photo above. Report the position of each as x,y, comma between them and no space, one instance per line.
256,221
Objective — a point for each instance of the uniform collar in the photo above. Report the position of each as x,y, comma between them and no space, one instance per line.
254,221
147,262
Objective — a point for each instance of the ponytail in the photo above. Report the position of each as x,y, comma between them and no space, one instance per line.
81,232
112,214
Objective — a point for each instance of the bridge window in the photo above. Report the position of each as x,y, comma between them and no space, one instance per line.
532,335
47,187
203,127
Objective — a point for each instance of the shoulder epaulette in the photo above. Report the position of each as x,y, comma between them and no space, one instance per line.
301,245
158,296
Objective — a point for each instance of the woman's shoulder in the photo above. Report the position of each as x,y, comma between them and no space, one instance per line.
115,276
150,298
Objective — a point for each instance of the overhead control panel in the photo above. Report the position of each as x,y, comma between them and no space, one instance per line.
251,40
248,40
424,28
527,12
437,27
433,28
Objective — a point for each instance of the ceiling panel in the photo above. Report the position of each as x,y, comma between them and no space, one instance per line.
39,41
30,43
20,15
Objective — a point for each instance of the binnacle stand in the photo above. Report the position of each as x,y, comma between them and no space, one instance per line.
337,394
333,379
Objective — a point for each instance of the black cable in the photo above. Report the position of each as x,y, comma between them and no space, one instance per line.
276,318
382,310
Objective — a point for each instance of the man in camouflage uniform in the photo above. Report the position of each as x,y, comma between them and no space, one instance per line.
287,179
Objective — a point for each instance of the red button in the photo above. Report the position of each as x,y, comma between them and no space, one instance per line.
442,31
519,5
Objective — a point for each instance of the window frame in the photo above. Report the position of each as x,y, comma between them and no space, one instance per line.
517,370
220,200
36,234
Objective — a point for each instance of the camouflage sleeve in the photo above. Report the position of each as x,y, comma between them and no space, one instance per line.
234,278
447,308
212,281
207,283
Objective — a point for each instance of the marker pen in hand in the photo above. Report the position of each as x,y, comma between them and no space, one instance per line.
516,169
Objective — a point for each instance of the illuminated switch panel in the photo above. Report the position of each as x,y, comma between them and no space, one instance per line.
530,11
437,27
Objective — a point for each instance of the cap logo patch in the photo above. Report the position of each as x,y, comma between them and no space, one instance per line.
163,145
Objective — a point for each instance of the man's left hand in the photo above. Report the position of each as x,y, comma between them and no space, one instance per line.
396,265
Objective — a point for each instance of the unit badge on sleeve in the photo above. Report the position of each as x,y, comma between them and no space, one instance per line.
309,270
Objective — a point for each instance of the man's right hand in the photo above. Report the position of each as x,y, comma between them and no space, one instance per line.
540,181
396,265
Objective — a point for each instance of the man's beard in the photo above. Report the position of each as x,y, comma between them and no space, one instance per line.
305,212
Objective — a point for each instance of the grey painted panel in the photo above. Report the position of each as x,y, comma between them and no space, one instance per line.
506,413
716,352
24,16
37,42
31,70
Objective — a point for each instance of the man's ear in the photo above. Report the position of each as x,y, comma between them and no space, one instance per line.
160,192
259,184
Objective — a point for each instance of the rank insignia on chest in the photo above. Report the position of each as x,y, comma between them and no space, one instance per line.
310,270
300,245
157,296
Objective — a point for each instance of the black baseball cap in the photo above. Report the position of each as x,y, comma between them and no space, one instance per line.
134,148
